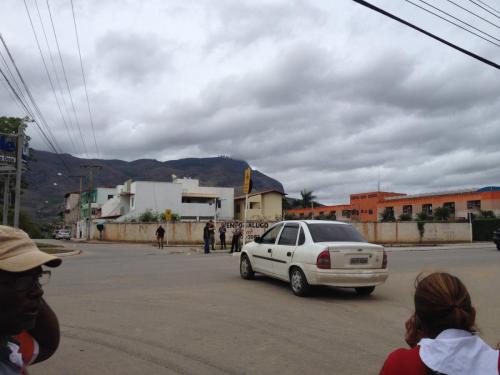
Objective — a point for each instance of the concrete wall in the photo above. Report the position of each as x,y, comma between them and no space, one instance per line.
192,233
184,233
407,232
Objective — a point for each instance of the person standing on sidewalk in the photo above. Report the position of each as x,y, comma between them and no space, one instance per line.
222,236
211,231
235,243
206,237
160,233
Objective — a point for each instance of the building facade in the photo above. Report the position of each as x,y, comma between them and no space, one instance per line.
184,197
265,205
369,207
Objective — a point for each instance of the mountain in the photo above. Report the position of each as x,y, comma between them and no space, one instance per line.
49,178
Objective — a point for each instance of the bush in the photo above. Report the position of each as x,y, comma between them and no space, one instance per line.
422,216
148,216
405,217
487,215
387,215
441,213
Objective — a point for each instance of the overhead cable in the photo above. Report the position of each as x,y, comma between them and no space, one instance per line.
387,14
474,14
453,23
66,79
48,74
489,6
84,80
487,10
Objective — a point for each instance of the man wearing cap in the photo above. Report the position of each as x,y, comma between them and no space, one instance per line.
29,330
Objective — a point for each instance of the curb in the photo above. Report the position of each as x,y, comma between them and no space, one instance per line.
68,254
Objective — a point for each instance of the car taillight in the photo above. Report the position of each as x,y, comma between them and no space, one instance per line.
384,260
323,260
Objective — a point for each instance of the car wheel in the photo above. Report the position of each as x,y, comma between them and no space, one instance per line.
498,246
298,282
246,270
365,290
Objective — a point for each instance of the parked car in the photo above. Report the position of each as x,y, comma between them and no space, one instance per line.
315,252
63,234
496,238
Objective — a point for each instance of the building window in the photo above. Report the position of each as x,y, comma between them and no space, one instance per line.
132,202
427,209
450,206
346,213
255,205
237,208
408,210
110,196
473,205
370,212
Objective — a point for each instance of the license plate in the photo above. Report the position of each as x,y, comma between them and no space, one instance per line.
359,260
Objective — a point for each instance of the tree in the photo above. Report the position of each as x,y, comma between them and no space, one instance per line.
10,125
307,198
441,213
387,215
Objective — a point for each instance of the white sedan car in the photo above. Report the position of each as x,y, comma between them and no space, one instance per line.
316,252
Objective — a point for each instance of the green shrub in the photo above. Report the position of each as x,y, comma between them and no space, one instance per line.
405,217
148,216
441,213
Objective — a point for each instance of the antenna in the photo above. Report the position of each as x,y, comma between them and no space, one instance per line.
378,184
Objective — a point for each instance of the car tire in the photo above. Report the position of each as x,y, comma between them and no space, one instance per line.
246,270
298,282
498,246
365,290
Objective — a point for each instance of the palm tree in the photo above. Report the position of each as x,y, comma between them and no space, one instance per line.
307,198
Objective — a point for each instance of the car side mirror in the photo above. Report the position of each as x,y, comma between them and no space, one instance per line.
257,239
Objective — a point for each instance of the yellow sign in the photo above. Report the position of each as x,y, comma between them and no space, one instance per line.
168,215
246,181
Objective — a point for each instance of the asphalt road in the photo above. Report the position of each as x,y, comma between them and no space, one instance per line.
132,309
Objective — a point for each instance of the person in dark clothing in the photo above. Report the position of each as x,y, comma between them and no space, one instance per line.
160,233
211,230
206,237
235,243
222,236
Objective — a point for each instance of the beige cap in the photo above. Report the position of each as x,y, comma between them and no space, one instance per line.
19,253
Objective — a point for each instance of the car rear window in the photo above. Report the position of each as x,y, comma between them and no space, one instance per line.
322,232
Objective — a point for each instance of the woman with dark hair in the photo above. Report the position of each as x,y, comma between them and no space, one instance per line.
441,333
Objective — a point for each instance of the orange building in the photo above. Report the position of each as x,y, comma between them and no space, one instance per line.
367,207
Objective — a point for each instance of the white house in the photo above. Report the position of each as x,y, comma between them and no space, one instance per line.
183,196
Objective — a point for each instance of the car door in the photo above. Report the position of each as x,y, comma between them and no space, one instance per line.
262,252
284,249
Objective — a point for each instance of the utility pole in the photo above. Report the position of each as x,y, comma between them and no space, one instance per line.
90,191
19,170
6,196
81,177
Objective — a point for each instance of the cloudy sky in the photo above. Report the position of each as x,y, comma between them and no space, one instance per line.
321,94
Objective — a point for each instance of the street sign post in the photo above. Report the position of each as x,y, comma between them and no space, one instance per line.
247,188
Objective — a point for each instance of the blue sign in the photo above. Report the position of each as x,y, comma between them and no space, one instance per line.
6,144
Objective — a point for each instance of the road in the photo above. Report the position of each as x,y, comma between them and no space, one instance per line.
132,309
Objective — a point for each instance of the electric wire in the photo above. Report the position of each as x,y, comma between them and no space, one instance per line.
429,34
456,24
475,14
83,77
487,10
66,79
32,99
24,103
48,74
458,19
67,117
489,6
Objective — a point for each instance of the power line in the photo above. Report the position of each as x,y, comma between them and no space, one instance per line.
493,9
474,14
33,102
387,14
453,23
66,78
47,70
487,10
83,76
